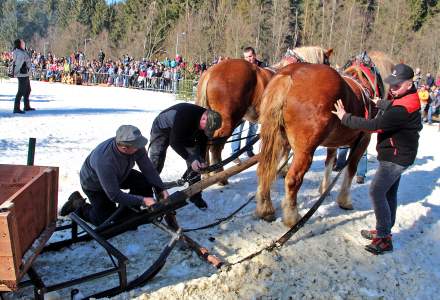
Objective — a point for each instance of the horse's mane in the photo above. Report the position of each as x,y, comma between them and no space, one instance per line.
384,64
310,54
382,61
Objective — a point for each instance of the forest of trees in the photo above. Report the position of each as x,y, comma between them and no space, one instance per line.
199,30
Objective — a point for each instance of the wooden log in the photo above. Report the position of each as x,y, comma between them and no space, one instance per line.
202,252
203,184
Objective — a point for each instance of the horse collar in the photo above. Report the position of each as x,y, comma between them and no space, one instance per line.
293,57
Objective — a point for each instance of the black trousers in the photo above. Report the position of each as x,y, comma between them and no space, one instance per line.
159,142
101,207
24,90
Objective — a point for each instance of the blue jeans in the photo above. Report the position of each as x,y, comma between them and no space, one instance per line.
423,108
235,146
362,165
383,193
431,111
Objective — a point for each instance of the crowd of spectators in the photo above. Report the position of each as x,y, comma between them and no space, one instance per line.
124,72
429,94
163,75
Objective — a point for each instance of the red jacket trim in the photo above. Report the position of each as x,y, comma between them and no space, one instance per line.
410,102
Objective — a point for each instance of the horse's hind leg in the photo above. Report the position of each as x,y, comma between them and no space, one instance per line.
301,163
329,162
344,197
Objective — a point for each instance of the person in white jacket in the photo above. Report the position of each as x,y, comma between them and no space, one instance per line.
21,64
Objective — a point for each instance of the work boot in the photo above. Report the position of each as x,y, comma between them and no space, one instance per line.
380,245
369,234
74,202
29,108
199,202
18,111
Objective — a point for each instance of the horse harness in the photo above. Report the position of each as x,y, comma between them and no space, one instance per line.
293,57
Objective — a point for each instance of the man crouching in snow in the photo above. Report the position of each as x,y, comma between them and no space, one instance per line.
107,170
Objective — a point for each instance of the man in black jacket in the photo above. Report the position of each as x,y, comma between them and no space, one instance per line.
186,128
397,143
107,170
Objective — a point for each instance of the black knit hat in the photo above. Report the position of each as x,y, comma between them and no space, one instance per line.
400,73
213,122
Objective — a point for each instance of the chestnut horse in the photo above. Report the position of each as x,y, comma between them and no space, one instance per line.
234,88
296,114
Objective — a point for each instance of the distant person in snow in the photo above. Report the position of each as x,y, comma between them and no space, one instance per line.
21,65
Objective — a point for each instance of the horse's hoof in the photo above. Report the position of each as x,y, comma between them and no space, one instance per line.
291,221
223,182
346,207
269,218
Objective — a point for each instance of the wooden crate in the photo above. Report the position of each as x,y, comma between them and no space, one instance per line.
28,213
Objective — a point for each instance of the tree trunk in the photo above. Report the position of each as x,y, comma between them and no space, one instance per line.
332,22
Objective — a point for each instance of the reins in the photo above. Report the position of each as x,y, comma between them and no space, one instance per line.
364,93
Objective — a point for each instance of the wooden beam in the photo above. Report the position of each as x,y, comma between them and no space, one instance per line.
203,184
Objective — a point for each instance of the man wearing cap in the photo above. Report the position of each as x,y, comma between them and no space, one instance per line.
398,125
249,55
186,128
108,169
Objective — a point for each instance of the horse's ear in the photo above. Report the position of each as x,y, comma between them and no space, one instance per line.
329,52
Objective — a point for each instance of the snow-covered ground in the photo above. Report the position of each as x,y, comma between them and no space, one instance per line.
324,260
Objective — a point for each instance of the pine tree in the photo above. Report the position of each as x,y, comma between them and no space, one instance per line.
100,17
419,11
9,24
85,10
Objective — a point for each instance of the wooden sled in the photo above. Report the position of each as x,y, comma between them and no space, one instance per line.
28,214
162,211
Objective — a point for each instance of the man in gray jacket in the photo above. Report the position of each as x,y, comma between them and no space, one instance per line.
21,64
107,170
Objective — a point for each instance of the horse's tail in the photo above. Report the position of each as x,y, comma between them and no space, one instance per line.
273,139
202,99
